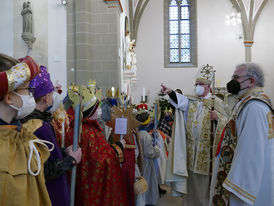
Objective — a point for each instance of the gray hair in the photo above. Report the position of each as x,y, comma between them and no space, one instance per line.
255,71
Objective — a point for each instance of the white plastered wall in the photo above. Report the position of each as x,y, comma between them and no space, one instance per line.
49,27
217,46
262,50
6,27
57,41
121,41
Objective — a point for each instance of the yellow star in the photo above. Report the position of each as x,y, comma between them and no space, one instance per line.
132,123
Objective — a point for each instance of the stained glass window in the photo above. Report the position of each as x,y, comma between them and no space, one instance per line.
179,31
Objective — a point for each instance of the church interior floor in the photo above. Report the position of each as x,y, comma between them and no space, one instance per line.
168,200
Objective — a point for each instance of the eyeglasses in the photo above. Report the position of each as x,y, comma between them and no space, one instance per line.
235,77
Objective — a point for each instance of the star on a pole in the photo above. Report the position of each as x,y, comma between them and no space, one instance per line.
132,123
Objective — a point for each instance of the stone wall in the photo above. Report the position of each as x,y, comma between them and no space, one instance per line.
92,48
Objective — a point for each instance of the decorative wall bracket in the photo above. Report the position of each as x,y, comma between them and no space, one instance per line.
114,4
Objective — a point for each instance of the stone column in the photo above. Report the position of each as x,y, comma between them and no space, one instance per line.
93,45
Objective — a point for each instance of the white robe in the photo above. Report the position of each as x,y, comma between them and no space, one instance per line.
197,184
150,153
176,173
160,162
251,177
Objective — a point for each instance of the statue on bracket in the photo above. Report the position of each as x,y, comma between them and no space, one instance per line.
27,34
130,60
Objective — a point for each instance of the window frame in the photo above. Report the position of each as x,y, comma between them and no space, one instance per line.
193,36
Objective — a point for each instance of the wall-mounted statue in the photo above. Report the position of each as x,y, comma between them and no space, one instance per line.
27,34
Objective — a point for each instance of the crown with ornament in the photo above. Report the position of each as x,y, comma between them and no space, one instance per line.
205,74
113,92
142,108
168,110
94,89
85,93
20,73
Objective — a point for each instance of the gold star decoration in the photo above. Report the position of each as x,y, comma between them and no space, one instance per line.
132,123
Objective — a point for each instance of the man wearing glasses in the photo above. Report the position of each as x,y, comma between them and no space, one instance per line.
244,166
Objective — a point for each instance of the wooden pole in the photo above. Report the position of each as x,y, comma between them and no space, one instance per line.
212,124
74,148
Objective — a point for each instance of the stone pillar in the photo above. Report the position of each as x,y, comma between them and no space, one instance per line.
248,45
93,45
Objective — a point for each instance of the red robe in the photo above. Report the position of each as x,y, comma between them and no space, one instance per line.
128,170
99,179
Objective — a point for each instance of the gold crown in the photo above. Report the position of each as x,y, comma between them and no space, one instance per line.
94,89
168,110
81,92
89,98
113,92
74,94
92,86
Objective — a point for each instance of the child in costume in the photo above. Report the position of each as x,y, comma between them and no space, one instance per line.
21,174
99,179
151,152
39,122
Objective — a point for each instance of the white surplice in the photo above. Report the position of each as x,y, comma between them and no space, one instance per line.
161,161
197,184
176,173
251,177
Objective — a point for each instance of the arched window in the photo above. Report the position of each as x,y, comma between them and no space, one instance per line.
180,33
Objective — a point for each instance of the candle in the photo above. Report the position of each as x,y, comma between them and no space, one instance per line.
144,93
112,91
218,83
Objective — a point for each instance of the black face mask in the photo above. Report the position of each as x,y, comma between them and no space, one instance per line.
234,87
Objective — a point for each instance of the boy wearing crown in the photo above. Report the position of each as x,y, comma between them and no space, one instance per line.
21,173
198,118
39,123
151,152
99,179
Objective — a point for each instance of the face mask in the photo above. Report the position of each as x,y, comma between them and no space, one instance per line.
199,90
234,87
99,113
27,107
57,99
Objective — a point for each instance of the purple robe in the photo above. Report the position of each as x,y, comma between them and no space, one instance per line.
58,189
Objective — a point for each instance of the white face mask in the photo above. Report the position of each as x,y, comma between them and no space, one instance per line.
99,113
199,90
27,107
57,99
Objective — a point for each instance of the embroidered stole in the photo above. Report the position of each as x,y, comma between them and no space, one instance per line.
229,143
